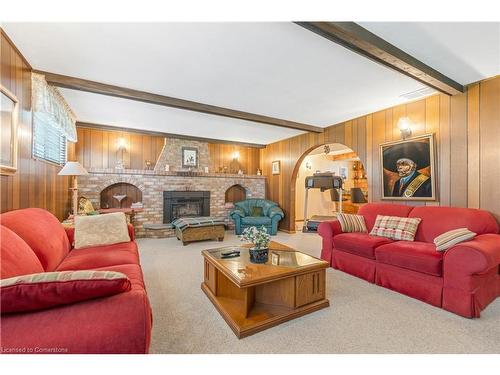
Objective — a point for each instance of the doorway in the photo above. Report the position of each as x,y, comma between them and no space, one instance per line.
334,158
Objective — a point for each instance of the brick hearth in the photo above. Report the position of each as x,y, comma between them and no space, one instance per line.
154,183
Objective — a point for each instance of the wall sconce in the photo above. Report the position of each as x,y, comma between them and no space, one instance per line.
121,144
236,155
121,147
404,125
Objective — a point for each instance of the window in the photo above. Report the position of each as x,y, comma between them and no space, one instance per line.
49,143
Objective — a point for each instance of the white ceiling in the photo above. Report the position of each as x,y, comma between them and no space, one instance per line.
276,69
464,51
107,110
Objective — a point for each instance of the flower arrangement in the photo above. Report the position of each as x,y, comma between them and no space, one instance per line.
258,237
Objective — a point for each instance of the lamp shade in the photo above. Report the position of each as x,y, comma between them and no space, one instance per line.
72,168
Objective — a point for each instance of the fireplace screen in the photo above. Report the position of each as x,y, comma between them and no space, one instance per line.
178,204
187,209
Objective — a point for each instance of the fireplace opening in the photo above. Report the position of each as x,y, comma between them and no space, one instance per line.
179,204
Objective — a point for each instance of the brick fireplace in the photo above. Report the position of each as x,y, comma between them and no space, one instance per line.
152,185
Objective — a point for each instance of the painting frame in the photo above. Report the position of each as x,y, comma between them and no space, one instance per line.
188,154
9,168
276,167
385,162
343,172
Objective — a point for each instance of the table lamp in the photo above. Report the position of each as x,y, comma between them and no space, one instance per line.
73,168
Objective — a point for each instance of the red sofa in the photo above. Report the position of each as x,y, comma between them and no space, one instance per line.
463,280
116,324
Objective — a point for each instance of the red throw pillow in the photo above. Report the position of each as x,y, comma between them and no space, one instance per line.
42,290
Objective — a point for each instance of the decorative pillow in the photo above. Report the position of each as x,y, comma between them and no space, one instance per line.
396,228
98,230
257,211
451,238
42,290
352,223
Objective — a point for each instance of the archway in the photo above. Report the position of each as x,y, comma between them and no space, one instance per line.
331,157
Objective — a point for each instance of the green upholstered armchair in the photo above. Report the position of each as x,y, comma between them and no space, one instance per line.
256,213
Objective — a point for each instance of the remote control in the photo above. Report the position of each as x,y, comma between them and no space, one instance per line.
230,252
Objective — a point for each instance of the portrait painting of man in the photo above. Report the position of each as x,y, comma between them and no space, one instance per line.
408,169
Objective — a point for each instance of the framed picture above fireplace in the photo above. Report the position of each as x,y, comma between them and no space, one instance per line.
189,157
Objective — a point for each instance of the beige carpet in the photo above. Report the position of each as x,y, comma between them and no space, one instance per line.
362,318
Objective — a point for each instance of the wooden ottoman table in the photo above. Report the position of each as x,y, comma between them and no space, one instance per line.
191,229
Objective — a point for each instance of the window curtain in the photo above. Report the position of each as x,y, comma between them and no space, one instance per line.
50,107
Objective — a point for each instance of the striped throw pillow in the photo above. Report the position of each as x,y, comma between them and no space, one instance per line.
396,228
451,238
47,289
352,223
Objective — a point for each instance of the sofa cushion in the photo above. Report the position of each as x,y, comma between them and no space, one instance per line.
417,256
256,220
17,258
438,220
453,237
101,256
43,233
98,230
396,228
47,289
257,211
133,272
351,223
361,244
371,210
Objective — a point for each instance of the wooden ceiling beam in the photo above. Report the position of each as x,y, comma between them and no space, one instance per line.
358,39
90,125
168,101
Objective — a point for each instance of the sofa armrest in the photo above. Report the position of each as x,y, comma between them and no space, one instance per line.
275,210
329,229
70,232
473,257
237,212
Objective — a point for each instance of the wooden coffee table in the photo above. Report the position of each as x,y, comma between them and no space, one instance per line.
252,297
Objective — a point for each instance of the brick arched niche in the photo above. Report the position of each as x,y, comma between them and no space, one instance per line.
120,195
235,193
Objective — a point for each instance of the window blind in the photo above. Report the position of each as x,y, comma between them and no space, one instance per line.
49,143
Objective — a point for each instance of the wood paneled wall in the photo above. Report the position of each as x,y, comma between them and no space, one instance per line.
35,184
97,148
467,130
221,155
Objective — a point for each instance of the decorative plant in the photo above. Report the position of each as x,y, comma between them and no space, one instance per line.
258,237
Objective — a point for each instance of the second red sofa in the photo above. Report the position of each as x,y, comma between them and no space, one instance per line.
463,280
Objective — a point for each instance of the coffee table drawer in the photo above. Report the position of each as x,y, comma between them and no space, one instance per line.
309,288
